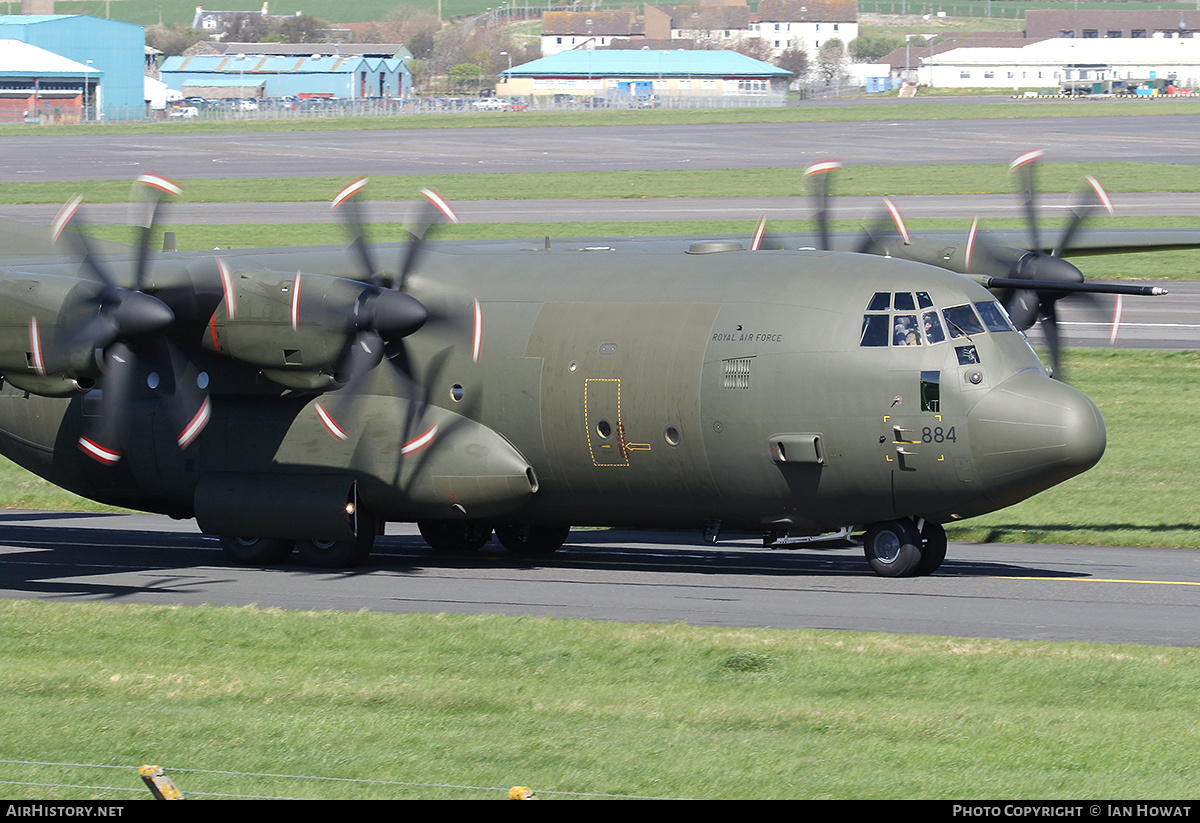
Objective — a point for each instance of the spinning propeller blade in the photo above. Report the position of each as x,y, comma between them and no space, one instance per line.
1038,305
126,330
382,317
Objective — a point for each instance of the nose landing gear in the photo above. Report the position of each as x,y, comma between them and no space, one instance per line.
905,548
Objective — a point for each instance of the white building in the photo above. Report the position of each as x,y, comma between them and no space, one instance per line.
805,25
783,24
1064,61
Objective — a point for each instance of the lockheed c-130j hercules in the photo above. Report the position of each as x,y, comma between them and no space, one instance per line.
295,399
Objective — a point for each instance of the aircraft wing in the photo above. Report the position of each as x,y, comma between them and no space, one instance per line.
23,240
1090,242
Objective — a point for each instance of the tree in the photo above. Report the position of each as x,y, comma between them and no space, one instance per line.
870,45
246,28
831,61
463,76
303,28
755,47
172,40
794,60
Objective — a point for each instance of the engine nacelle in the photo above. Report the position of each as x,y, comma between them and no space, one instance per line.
50,385
283,322
37,316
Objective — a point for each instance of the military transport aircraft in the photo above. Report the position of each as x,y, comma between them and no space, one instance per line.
794,386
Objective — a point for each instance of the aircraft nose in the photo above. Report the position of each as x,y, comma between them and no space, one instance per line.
1032,432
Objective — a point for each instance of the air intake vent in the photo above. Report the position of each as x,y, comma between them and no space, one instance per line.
737,373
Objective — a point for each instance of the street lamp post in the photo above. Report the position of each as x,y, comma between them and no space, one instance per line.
241,58
87,76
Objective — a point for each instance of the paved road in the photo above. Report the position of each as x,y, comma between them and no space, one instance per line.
988,590
100,156
641,209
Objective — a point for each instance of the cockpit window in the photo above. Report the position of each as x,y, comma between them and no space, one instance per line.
932,325
904,330
876,330
912,319
993,316
962,321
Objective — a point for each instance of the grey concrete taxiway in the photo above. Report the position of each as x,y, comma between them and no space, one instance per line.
1172,138
1112,595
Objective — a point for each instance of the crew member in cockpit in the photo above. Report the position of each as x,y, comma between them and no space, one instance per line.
905,331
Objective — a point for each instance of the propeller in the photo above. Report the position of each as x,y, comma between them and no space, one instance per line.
382,316
890,223
1055,276
124,336
816,175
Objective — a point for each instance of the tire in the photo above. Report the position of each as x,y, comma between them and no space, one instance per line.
455,535
333,554
532,541
340,554
893,548
257,551
933,548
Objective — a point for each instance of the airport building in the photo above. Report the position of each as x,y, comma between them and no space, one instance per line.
1063,62
343,76
635,75
99,70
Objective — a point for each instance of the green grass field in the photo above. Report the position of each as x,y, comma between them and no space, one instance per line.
895,181
459,707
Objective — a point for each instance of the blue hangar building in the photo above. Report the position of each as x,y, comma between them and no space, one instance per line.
111,56
354,77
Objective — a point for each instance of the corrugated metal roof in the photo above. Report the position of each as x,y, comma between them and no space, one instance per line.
645,63
20,58
284,64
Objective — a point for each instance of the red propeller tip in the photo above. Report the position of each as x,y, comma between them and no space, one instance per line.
161,183
65,214
330,424
1026,158
349,191
440,203
821,168
100,454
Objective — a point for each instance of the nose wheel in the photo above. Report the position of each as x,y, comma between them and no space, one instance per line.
898,548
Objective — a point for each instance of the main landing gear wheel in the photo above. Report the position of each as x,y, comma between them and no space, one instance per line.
933,548
532,541
455,535
893,548
257,551
334,554
340,554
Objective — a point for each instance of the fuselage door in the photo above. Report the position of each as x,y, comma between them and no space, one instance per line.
602,420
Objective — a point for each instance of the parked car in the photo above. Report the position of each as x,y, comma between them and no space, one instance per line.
183,111
490,104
